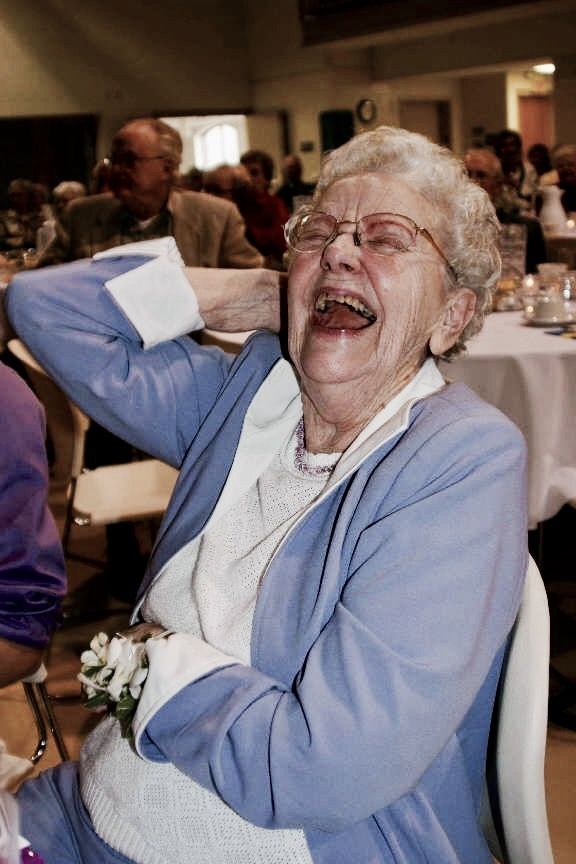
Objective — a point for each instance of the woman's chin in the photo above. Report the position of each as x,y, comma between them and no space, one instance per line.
343,361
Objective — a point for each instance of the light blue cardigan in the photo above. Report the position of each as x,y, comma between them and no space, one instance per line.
380,627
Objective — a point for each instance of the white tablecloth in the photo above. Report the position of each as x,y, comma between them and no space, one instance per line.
531,376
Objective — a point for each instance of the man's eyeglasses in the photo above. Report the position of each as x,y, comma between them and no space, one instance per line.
381,233
129,159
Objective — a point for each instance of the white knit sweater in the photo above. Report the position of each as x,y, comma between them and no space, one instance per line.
153,813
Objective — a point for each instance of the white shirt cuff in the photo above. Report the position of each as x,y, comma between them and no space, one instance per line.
174,662
157,298
164,247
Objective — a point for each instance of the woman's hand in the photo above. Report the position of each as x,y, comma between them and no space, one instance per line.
143,631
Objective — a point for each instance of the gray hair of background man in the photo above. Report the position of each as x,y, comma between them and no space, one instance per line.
466,222
169,138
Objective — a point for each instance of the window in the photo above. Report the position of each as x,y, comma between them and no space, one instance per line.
211,140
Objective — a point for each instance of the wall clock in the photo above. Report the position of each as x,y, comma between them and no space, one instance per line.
366,110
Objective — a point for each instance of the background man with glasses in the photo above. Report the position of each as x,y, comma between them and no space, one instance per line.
143,203
144,162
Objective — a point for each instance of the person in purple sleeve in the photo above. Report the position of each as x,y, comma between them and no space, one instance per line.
32,571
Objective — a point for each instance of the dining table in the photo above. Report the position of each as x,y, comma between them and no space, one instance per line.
528,371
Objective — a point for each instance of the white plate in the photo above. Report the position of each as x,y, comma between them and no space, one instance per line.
549,322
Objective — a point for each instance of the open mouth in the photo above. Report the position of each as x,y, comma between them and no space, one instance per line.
341,312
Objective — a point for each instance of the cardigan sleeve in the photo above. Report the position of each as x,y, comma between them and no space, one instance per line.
83,336
434,559
32,572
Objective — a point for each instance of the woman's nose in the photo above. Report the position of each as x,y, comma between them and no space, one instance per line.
342,252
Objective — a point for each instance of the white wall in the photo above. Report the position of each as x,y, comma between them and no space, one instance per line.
133,57
483,100
122,59
308,80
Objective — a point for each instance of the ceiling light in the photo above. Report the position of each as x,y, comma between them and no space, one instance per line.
544,68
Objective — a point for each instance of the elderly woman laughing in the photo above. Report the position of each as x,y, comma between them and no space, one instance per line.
343,557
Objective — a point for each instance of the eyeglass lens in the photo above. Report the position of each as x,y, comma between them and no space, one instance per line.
383,233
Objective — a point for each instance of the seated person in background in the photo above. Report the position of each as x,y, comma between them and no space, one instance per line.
343,558
227,181
520,180
192,180
292,184
265,214
539,158
143,175
484,168
32,573
564,161
100,178
28,209
62,195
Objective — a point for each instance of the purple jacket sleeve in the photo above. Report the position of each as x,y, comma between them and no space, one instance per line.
32,571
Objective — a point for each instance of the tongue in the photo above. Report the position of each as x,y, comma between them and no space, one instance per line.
338,316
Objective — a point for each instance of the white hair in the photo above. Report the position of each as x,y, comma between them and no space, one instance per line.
70,188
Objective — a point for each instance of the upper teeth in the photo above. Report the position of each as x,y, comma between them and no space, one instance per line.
324,298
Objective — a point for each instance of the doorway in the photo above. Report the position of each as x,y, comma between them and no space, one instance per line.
536,120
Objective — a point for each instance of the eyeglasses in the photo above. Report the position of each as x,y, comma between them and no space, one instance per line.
382,234
129,159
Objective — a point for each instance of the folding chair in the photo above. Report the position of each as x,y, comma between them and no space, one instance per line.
514,817
44,717
133,491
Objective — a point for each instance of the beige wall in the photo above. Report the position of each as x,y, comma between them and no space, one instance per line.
122,59
565,98
440,64
483,100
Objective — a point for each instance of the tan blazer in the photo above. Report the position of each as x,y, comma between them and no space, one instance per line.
209,231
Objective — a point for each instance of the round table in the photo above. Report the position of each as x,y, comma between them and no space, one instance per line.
531,376
528,374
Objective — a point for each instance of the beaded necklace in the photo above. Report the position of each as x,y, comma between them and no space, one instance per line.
303,459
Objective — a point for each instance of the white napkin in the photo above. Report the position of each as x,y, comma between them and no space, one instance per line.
164,247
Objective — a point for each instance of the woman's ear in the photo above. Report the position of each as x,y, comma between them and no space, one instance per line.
458,312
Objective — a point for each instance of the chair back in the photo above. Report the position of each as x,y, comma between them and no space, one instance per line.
514,818
67,424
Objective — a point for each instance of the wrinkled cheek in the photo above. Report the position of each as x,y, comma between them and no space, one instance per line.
410,333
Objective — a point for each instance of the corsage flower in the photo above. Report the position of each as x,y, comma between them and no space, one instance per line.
113,672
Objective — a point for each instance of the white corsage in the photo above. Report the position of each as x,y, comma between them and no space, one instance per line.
113,672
